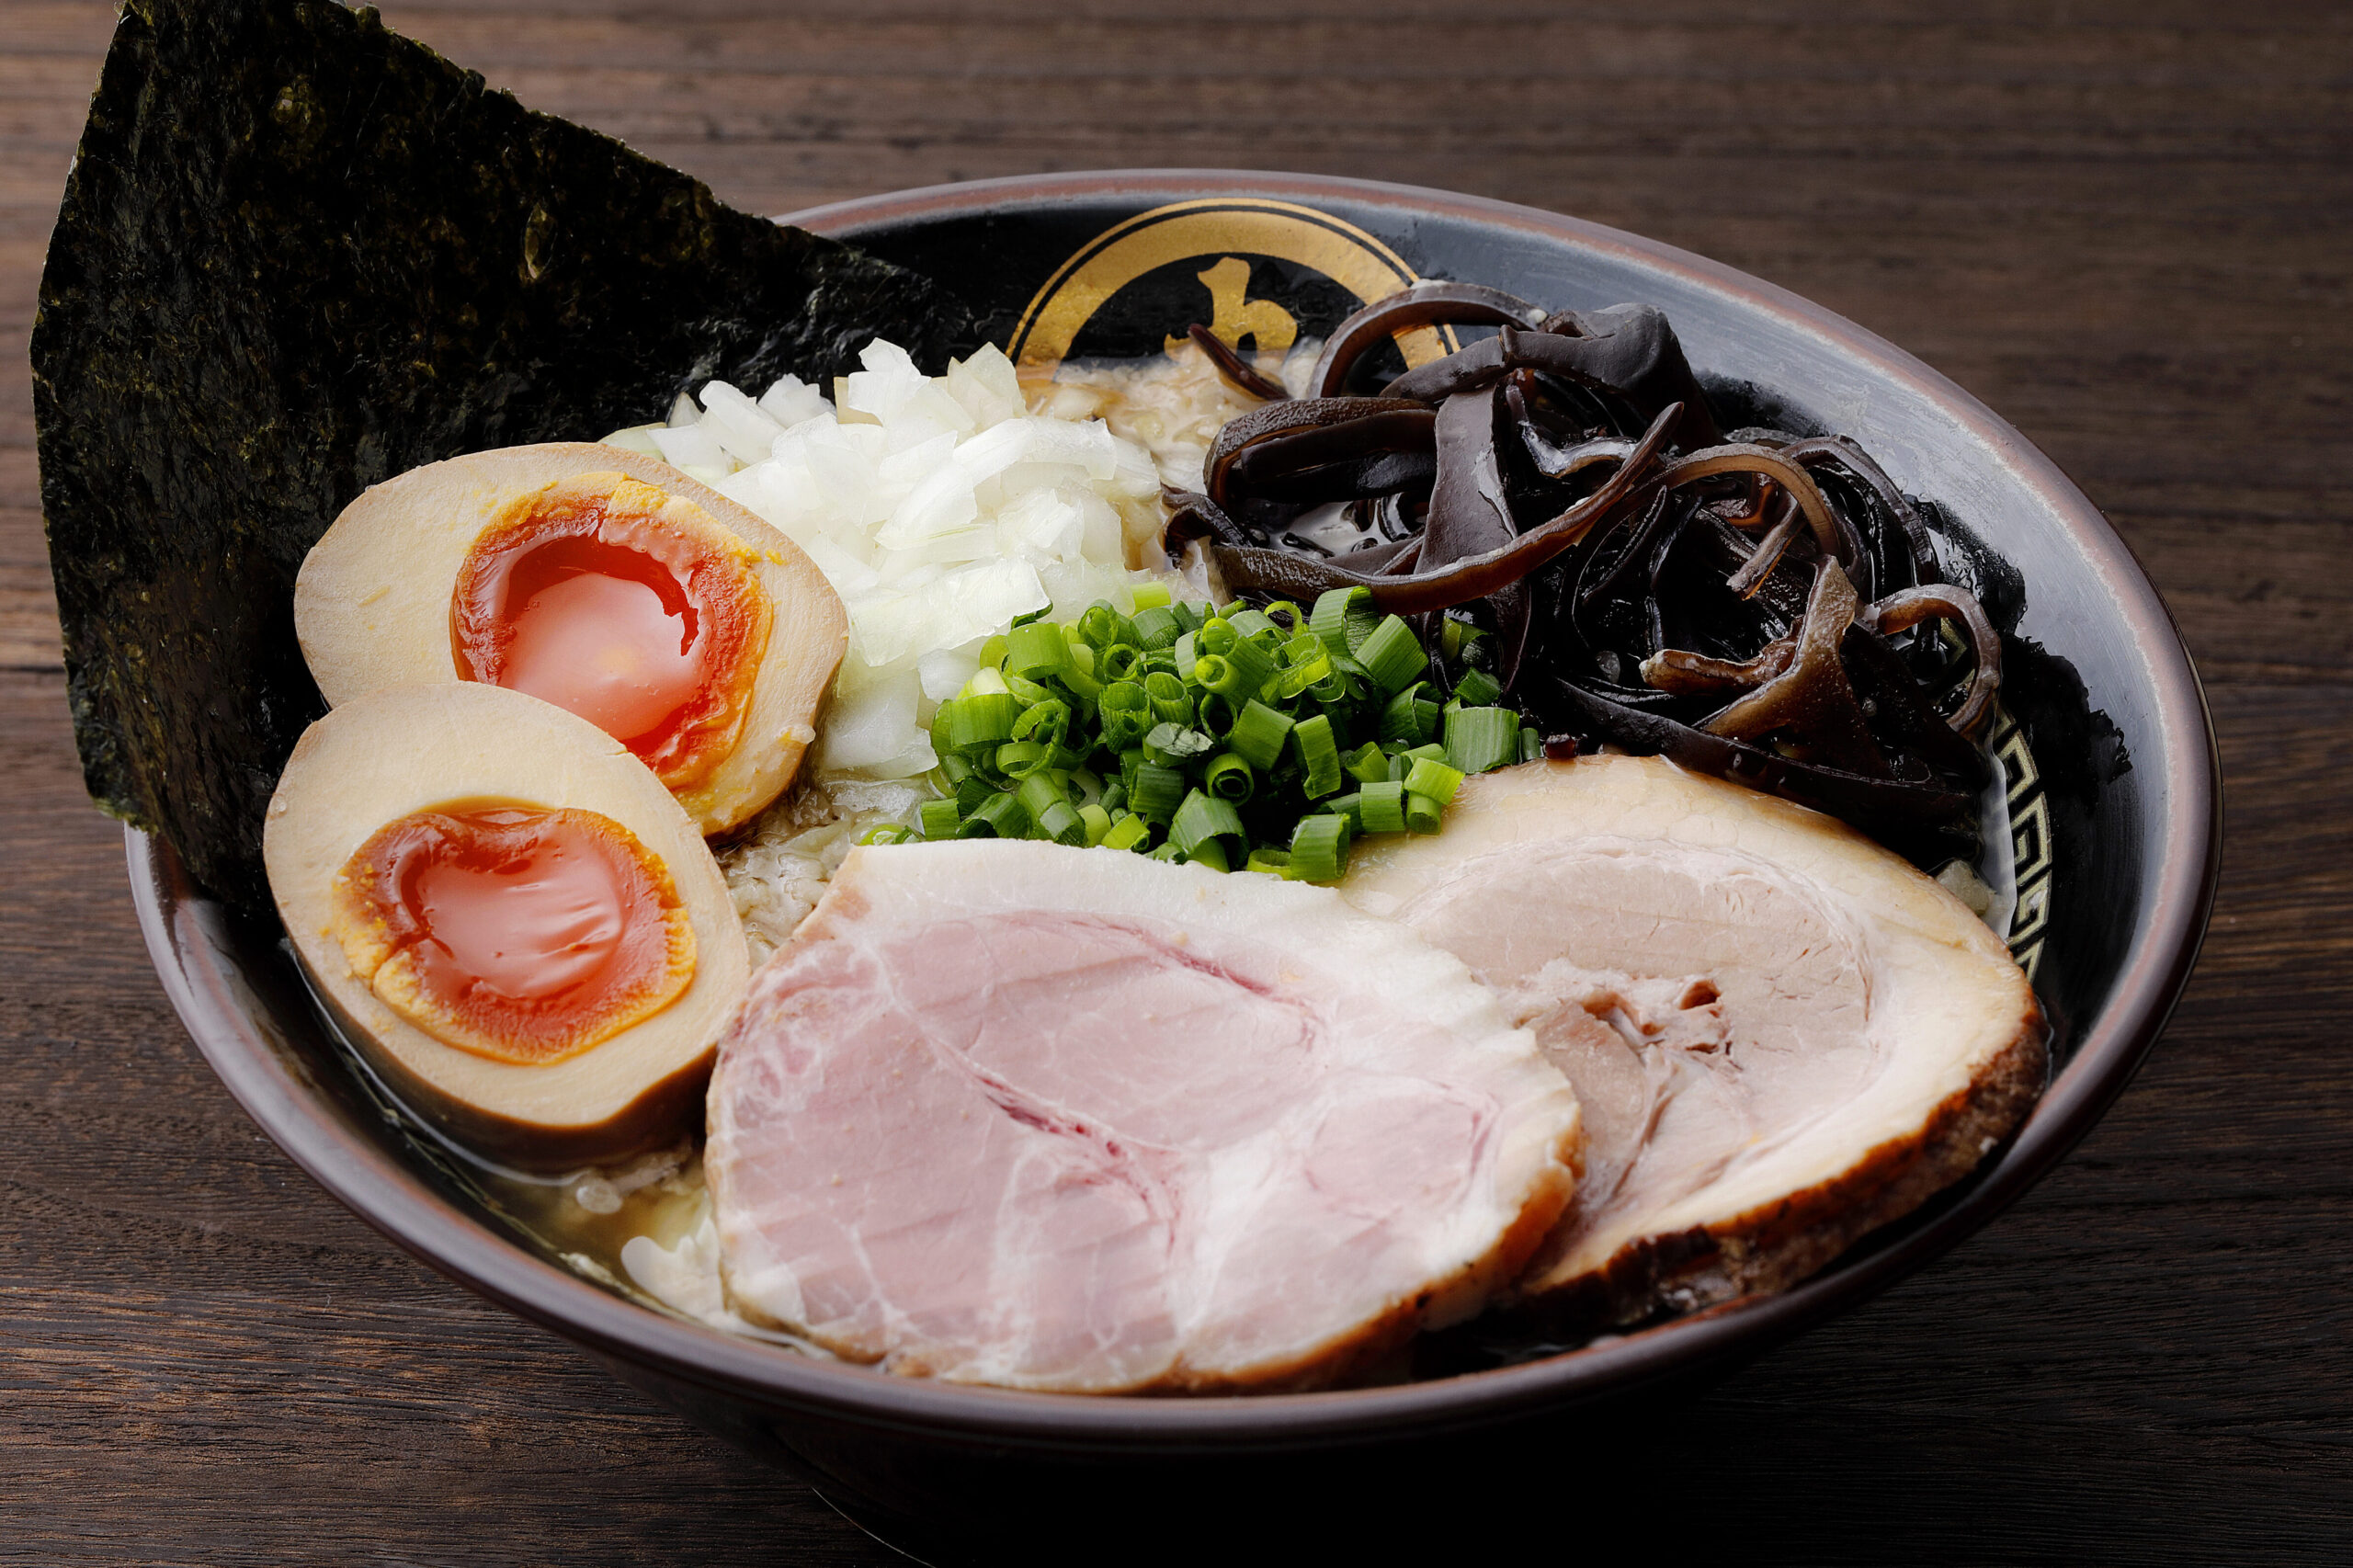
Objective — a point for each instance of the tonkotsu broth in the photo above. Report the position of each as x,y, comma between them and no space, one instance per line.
645,1226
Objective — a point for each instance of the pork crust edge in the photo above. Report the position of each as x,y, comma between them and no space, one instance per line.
1776,1245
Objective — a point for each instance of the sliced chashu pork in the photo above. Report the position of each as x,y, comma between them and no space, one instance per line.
1782,1035
1013,1113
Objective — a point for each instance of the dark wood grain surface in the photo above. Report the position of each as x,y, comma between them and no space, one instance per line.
2126,224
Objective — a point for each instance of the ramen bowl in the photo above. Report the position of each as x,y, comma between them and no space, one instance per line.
2112,801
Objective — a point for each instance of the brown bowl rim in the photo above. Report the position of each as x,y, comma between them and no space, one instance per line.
199,975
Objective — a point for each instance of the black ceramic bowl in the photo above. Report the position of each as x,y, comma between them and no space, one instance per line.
2113,790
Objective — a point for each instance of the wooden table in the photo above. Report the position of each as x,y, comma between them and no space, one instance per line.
2130,231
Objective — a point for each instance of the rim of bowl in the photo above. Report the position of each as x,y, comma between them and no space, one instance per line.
192,956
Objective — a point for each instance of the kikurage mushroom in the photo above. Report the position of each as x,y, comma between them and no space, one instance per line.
1761,604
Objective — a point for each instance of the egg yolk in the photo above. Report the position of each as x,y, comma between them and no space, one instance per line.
629,607
524,934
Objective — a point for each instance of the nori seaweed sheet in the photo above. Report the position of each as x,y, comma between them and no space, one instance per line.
300,253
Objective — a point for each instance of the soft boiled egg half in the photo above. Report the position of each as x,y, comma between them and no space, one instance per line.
517,924
604,581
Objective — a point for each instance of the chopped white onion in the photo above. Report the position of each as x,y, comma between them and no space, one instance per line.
943,671
690,446
738,424
637,439
792,400
939,507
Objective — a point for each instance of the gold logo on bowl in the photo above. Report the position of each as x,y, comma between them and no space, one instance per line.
1233,315
1224,230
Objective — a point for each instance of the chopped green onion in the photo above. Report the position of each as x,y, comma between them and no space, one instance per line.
1156,627
1457,637
1209,852
1532,744
1383,809
1170,853
1038,792
1403,761
1019,759
1344,618
1304,662
1170,747
1349,677
1435,779
1480,738
1171,703
1253,664
1037,652
973,723
1251,625
1046,723
1126,713
1397,716
1319,754
1393,656
1029,693
1319,849
1259,733
1156,793
1423,815
1063,824
1119,661
1207,713
1477,688
1236,674
1105,626
1150,595
999,817
1080,678
1228,777
887,832
1203,820
1408,716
